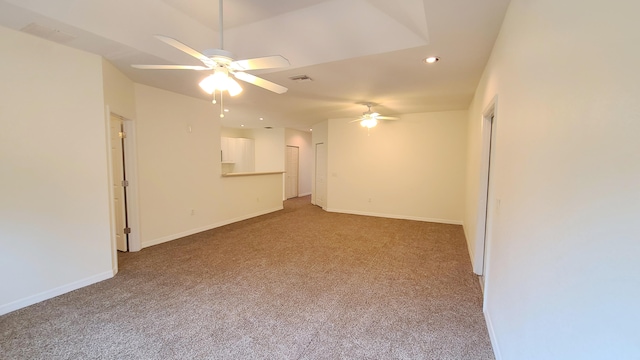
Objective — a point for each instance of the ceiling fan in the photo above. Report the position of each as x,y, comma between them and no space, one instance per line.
221,63
370,119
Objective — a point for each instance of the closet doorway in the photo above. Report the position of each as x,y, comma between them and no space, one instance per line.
292,164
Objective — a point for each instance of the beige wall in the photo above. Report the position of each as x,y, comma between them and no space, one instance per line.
269,149
54,212
413,168
236,133
118,91
181,188
562,277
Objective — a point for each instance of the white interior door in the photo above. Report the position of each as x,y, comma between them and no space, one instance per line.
119,196
321,175
291,171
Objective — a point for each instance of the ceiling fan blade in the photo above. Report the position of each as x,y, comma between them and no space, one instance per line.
170,67
386,118
265,84
267,62
184,48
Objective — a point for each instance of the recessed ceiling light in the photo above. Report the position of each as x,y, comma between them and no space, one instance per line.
431,59
261,118
242,125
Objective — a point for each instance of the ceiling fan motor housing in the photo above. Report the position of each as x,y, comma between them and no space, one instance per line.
219,56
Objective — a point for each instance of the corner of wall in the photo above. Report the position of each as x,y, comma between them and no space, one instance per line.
492,334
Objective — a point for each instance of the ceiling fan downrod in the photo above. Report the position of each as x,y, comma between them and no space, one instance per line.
221,24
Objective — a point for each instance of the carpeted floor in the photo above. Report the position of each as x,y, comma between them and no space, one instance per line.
300,283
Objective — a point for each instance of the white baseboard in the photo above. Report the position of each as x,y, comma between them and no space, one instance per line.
492,335
394,216
471,250
165,239
30,300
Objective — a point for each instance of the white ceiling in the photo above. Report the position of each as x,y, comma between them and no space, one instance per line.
354,50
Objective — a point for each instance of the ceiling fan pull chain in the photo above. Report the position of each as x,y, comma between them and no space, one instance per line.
221,105
214,98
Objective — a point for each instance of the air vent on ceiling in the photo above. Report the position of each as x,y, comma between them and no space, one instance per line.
301,78
48,33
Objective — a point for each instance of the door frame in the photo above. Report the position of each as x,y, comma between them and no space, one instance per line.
314,190
286,159
131,169
118,174
486,204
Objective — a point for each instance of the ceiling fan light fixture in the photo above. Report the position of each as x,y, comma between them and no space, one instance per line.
369,123
220,76
208,84
220,81
233,87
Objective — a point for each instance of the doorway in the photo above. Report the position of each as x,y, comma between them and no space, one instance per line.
292,164
118,172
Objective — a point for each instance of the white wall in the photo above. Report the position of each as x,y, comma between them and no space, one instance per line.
118,91
269,149
413,168
563,276
302,139
54,212
319,135
180,172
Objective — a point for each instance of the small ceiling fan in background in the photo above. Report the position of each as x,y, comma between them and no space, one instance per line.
370,119
222,64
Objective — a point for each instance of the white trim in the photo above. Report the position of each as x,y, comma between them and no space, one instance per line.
492,334
112,211
469,247
30,300
487,159
131,167
252,173
208,227
394,216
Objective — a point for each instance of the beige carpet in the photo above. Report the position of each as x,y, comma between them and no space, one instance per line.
296,284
